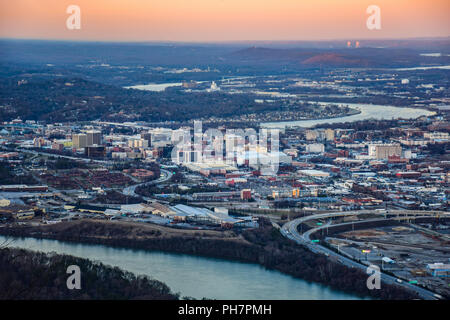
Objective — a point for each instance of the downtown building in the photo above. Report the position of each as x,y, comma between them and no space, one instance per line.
79,141
384,151
93,137
88,139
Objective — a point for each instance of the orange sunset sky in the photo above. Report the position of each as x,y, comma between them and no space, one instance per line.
223,20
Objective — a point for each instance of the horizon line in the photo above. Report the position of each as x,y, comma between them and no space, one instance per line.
224,41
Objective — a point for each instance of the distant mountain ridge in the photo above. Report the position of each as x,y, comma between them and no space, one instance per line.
372,53
338,57
334,59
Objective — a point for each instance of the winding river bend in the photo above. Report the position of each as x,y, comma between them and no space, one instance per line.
368,111
193,276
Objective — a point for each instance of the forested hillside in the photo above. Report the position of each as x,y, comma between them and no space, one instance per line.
35,275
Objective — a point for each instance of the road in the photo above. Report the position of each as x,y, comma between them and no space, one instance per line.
164,176
34,152
289,230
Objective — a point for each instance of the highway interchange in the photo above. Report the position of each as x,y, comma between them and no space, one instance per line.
290,231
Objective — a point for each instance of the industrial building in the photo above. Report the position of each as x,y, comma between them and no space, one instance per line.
209,196
22,188
439,269
315,148
204,216
314,173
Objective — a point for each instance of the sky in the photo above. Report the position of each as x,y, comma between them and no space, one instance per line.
223,20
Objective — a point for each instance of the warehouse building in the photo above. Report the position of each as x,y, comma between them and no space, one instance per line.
439,269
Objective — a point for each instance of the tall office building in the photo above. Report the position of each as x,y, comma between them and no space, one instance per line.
95,151
147,136
79,141
94,138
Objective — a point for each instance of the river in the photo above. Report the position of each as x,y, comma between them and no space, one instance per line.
193,276
424,68
158,87
368,111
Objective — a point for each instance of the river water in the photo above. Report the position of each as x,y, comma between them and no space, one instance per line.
368,111
158,87
193,276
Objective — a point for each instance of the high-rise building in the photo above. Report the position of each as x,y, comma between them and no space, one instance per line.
147,136
95,151
79,141
94,138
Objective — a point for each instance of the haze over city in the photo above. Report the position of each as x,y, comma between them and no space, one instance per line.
223,20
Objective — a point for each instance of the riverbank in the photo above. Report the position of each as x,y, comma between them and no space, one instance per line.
367,112
280,116
264,246
254,120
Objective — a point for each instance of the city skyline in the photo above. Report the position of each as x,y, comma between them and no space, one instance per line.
242,154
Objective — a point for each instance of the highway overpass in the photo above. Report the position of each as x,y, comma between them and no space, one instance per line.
290,231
